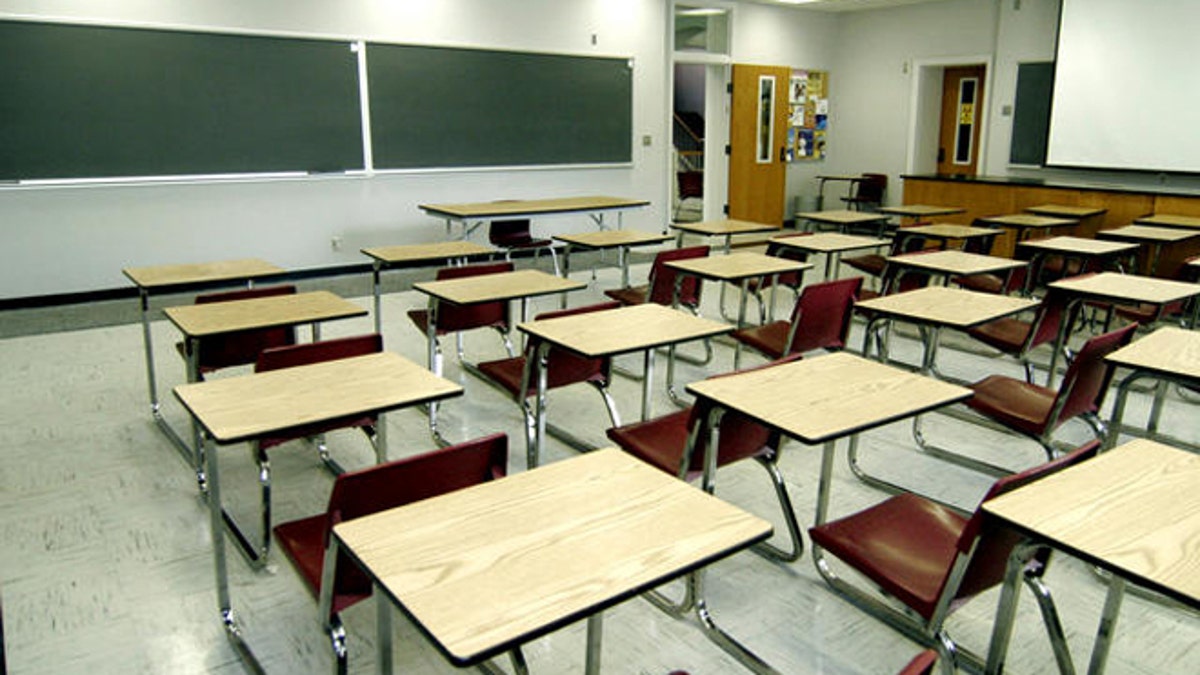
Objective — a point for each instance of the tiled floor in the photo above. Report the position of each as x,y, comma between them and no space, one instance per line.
105,564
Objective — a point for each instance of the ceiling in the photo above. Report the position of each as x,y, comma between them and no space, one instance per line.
844,5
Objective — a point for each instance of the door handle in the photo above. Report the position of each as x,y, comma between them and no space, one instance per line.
783,153
941,155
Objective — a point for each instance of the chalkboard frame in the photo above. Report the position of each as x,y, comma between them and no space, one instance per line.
97,101
437,107
578,109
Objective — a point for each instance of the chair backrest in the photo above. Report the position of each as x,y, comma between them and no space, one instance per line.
741,436
1087,378
509,232
316,352
386,486
564,367
871,187
1047,320
981,245
242,348
662,278
691,184
904,242
990,557
452,318
821,318
897,279
778,250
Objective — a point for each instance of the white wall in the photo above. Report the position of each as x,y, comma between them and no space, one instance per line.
799,38
68,239
874,77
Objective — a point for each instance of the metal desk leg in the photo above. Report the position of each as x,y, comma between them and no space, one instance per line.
375,269
434,356
533,453
1006,610
383,630
188,452
696,580
1108,625
216,529
648,378
566,274
595,632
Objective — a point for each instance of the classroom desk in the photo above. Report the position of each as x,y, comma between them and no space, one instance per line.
1026,223
248,407
832,244
843,219
815,401
164,278
482,571
1169,220
944,233
622,240
445,252
472,215
937,307
1091,253
1167,355
1114,288
1088,218
219,318
1130,511
954,263
1154,237
737,268
613,332
919,212
849,179
720,228
502,287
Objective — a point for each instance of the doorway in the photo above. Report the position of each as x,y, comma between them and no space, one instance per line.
950,141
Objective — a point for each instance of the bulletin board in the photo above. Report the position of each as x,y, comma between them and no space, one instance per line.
808,118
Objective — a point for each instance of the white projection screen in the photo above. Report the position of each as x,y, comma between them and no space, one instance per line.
1127,86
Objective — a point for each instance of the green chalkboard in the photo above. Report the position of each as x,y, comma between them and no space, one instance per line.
450,107
1031,113
90,101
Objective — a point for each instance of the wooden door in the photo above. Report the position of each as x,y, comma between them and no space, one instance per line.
962,104
757,136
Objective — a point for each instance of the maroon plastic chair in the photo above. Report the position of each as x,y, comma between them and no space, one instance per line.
1036,411
517,376
663,442
453,318
241,348
1149,314
661,286
872,264
515,235
288,357
378,488
691,186
820,320
921,664
868,192
1018,337
932,559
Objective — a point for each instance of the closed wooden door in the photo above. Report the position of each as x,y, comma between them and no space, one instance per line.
962,103
757,136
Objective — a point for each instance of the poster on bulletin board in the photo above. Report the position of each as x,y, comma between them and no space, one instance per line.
808,119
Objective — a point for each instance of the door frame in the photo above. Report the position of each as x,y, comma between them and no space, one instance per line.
717,78
924,111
